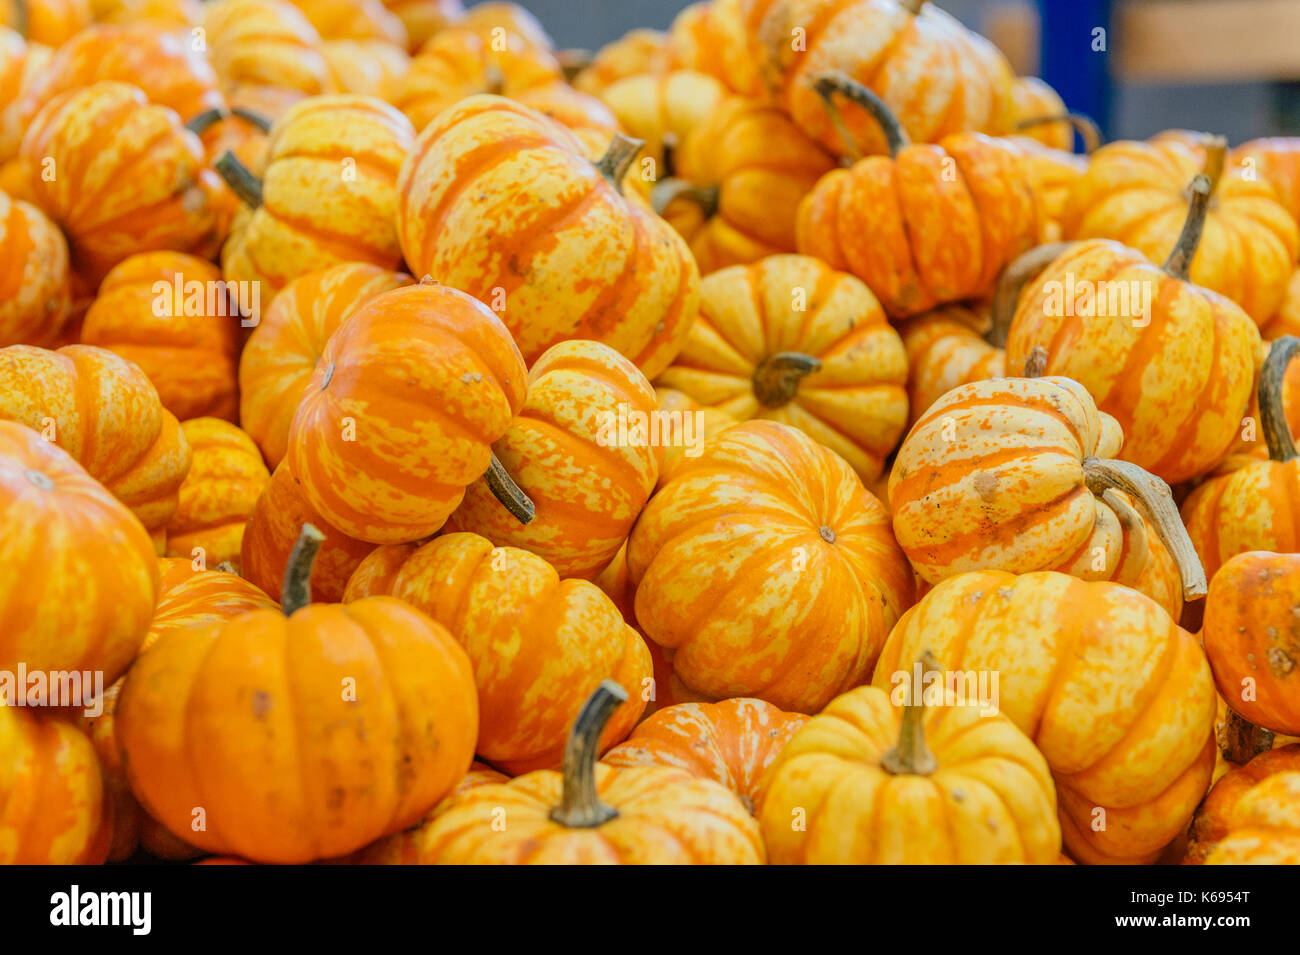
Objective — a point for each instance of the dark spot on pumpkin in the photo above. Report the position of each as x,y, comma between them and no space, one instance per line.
986,486
828,535
40,479
261,704
1280,662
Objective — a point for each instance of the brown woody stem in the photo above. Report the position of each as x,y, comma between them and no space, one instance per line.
1156,503
240,180
828,84
1082,123
912,6
22,18
1241,740
248,116
666,190
910,756
511,496
1272,414
201,123
1179,263
618,158
776,379
1013,278
494,81
296,591
226,567
580,807
1036,363
573,62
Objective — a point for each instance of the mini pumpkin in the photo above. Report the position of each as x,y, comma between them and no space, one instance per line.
365,67
50,22
637,51
484,18
35,295
171,13
1277,160
579,111
663,109
710,37
424,18
354,20
1266,828
265,43
947,348
22,65
1220,813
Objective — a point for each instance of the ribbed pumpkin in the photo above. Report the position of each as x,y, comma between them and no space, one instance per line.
689,422
710,37
401,412
599,267
1052,174
664,109
738,179
577,110
286,346
590,813
35,298
1266,825
424,18
103,411
88,576
211,718
1250,444
272,528
126,176
1219,814
1135,192
1114,694
930,783
746,554
937,77
583,450
1276,160
327,193
637,51
791,340
51,22
169,313
226,478
922,226
365,67
354,20
1032,100
265,43
947,348
732,742
538,644
172,13
483,18
22,65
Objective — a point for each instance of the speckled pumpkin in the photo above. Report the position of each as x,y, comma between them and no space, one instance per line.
1218,815
265,43
690,422
947,348
538,644
577,110
1034,99
493,184
365,67
637,51
22,65
1114,694
424,18
1275,159
354,20
663,109
1266,825
710,37
35,297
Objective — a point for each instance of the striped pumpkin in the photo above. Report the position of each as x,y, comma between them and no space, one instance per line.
1266,825
35,295
1219,813
1277,161
265,43
22,65
946,348
665,109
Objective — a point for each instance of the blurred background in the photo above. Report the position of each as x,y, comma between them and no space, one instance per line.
1224,66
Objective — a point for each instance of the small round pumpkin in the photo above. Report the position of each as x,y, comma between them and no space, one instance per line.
51,22
171,13
1266,825
354,20
484,18
664,109
1275,159
35,296
424,18
710,37
577,110
637,51
1219,814
947,348
365,67
22,65
265,43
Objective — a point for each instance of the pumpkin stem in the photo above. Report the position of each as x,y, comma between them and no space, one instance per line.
1277,433
1036,363
241,181
1179,263
296,592
828,84
580,807
910,756
572,62
226,567
912,6
510,494
248,116
1156,503
666,190
618,159
494,81
1216,154
1240,740
776,379
201,123
22,19
1082,123
1013,278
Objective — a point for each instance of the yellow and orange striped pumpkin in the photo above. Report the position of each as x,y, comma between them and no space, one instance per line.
35,295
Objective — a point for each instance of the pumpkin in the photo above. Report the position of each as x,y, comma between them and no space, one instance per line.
492,18
1136,193
663,109
732,742
576,110
791,340
212,717
947,348
169,314
745,553
739,176
1220,813
273,526
1032,102
459,62
930,783
1277,160
49,22
89,578
936,76
365,67
284,349
688,423
1052,173
537,643
1286,320
923,226
424,18
1249,445
590,813
170,13
103,411
354,20
584,449
241,131
1114,694
1267,825
710,38
401,412
35,296
265,43
22,65
1015,474
637,51
599,267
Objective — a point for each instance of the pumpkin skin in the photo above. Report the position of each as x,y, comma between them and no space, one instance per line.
710,38
1114,694
90,580
854,403
746,550
628,279
1219,814
538,644
483,18
1277,160
284,349
424,18
35,297
22,65
109,133
354,20
1267,828
103,411
265,43
637,51
172,13
576,110
946,348
278,515
1033,98
937,77
226,478
1135,192
664,109
564,449
703,423
50,22
732,742
427,378
328,193
189,351
365,67
965,812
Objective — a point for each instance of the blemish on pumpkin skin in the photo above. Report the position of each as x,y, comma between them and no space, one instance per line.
261,704
986,486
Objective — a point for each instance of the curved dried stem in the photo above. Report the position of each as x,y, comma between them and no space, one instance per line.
248,116
1240,740
580,807
510,494
1272,413
1179,263
910,756
1082,123
665,191
777,377
296,591
828,84
618,159
1011,281
201,123
240,179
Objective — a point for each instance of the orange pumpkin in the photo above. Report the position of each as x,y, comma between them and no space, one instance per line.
265,43
746,552
365,67
1277,161
35,297
22,65
354,20
947,348
103,411
286,346
637,51
1220,813
710,37
690,424
169,313
537,643
664,109
485,18
576,110
1266,827
424,18
1032,101
599,267
171,13
51,22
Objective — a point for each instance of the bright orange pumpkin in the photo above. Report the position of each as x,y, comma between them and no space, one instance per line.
171,13
51,22
1266,825
424,18
637,51
354,20
694,423
265,43
577,110
664,109
710,37
35,297
1276,160
947,348
365,67
1220,813
22,64
484,18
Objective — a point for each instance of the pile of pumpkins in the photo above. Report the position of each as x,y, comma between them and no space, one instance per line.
314,318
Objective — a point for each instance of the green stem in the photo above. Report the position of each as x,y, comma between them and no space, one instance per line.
240,180
296,591
777,377
248,116
1272,413
1179,263
201,123
510,494
618,159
